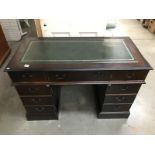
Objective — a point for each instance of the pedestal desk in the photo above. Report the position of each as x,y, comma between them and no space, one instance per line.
113,66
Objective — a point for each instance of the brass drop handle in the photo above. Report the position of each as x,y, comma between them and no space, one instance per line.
120,98
36,100
32,90
60,76
124,88
100,74
39,109
130,75
117,107
27,75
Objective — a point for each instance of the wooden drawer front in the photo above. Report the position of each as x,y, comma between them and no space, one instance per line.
122,88
39,100
128,75
29,76
119,98
116,108
41,109
79,76
97,75
35,89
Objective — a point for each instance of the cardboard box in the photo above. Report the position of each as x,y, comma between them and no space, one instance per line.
151,26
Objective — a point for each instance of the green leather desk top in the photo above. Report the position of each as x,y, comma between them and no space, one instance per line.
77,54
52,51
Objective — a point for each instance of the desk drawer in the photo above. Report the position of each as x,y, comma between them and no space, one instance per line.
77,76
29,76
97,75
128,75
122,88
116,108
39,100
41,109
119,98
35,89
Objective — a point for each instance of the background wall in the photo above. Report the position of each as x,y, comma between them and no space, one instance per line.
70,26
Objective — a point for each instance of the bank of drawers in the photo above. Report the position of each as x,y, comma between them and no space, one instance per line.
116,99
77,76
40,101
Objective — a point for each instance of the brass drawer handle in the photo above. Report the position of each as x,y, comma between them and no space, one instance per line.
117,107
60,76
32,90
120,98
124,87
27,75
36,100
130,75
39,109
100,74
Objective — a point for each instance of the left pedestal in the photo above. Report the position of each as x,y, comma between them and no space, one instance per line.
39,97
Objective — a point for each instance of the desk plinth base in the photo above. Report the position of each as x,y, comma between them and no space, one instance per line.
33,117
113,115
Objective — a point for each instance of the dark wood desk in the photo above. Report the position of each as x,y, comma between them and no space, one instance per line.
113,66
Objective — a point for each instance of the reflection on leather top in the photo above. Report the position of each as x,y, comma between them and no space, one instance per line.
71,51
